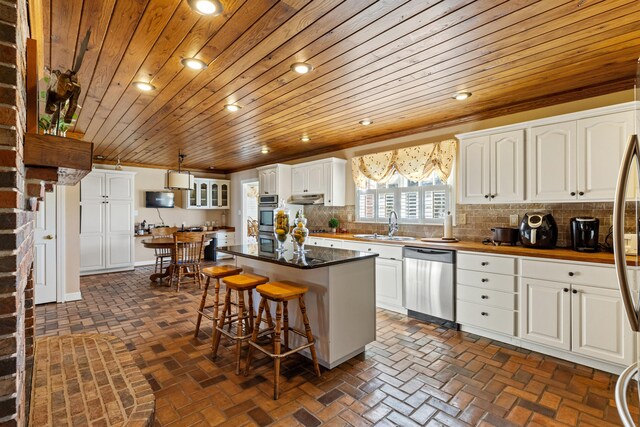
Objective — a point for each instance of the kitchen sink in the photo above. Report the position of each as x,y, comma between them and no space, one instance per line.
383,237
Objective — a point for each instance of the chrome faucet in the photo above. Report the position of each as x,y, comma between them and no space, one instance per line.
393,226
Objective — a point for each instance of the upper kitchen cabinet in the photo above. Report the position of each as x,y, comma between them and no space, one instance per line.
325,177
552,162
492,167
601,142
207,193
578,159
275,180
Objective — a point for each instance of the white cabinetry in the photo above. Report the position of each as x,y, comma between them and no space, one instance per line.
207,193
492,168
486,292
325,176
275,180
307,178
601,142
583,313
572,157
224,238
106,222
389,269
578,159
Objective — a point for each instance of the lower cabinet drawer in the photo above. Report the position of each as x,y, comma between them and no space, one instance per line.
487,297
481,316
497,282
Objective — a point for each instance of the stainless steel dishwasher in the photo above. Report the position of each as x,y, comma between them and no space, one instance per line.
429,284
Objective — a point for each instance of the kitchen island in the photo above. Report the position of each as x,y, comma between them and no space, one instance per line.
340,302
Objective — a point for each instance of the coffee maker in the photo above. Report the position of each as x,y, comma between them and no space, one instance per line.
584,234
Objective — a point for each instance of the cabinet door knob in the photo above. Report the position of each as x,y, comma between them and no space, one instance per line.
493,196
581,193
484,280
574,291
566,289
484,263
571,273
484,313
573,193
48,237
486,196
484,297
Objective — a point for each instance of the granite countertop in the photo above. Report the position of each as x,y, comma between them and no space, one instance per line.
557,253
315,257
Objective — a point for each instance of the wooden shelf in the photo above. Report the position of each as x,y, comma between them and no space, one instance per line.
72,158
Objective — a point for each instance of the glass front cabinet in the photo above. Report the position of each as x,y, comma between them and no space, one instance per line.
207,194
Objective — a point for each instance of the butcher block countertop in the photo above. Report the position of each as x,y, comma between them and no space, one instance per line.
558,253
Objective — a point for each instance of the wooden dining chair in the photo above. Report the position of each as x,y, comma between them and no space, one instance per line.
188,249
162,254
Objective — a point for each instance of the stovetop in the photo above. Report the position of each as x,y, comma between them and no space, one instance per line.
318,230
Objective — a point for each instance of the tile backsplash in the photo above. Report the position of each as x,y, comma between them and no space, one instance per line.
479,219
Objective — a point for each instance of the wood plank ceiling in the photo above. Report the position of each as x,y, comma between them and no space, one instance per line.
396,62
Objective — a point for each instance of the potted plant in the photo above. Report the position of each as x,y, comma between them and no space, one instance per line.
333,224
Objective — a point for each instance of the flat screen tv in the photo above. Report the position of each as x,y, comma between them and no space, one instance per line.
159,199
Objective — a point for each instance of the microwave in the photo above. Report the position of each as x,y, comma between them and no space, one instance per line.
267,244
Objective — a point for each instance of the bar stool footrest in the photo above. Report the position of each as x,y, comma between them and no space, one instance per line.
281,355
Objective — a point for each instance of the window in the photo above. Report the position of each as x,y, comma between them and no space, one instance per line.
424,202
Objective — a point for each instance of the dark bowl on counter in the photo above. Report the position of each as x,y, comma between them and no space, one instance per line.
506,235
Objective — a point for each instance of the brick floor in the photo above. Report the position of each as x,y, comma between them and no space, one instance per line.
414,374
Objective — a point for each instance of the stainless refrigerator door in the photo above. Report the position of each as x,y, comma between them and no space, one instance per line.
629,163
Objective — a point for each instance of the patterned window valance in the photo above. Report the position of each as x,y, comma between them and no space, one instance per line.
414,163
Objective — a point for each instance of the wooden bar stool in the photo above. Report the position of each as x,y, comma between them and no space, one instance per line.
216,273
281,293
244,318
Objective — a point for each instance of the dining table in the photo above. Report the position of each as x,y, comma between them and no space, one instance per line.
165,243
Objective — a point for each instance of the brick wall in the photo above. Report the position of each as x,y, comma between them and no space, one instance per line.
480,219
16,223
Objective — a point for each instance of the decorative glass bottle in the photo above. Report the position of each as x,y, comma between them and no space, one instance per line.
281,225
300,232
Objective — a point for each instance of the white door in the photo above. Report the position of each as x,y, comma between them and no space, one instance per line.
389,284
119,186
119,234
272,181
315,179
92,242
263,182
203,193
328,183
475,174
214,194
45,260
507,167
601,144
552,162
599,325
224,195
92,186
545,315
299,180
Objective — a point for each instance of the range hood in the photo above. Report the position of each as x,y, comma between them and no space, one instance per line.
306,199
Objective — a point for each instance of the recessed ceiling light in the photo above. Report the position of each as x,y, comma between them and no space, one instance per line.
232,107
461,96
264,150
305,138
212,167
206,7
365,122
144,86
301,67
194,63
100,157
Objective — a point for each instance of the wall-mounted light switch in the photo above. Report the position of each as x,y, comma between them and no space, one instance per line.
462,219
513,220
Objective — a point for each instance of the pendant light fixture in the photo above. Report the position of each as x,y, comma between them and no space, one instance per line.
179,180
